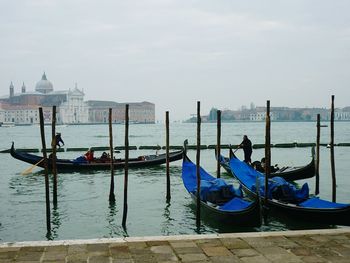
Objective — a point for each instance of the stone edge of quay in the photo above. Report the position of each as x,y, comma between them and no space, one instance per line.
340,230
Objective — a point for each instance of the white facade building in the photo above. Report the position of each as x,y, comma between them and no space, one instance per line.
22,108
74,110
260,116
2,115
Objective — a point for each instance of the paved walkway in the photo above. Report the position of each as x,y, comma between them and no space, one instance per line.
290,246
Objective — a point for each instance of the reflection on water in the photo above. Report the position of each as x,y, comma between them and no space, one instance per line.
167,222
209,224
113,225
280,221
55,224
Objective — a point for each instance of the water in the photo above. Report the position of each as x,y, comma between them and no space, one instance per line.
83,209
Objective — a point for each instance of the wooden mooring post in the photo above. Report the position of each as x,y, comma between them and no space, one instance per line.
46,172
168,195
267,157
218,143
334,183
317,171
54,155
126,164
111,188
198,208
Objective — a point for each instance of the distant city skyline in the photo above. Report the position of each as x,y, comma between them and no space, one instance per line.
174,53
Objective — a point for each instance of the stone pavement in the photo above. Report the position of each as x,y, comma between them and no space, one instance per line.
331,245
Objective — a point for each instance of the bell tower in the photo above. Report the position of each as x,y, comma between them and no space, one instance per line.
12,90
23,88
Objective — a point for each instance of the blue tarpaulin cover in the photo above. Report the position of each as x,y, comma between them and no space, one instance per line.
247,175
211,184
315,202
235,204
279,188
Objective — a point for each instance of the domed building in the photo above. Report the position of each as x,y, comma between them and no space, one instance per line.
43,85
21,108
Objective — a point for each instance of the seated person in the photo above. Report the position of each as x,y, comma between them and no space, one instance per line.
105,157
89,155
273,169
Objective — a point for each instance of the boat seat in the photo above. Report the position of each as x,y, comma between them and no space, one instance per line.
221,196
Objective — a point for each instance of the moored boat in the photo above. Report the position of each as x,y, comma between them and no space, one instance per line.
98,163
295,203
289,173
221,202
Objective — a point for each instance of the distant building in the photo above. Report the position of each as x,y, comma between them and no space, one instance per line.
22,108
342,114
260,116
143,112
277,114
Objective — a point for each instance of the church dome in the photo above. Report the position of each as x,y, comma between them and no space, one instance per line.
44,86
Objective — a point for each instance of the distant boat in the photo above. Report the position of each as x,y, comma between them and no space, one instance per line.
7,124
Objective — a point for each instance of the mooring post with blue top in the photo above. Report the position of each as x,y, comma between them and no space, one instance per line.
267,158
334,183
46,172
111,189
198,214
168,196
126,164
218,143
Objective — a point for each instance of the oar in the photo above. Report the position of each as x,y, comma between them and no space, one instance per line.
30,169
236,149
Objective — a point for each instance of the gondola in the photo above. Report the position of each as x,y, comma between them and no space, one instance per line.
289,173
305,207
220,201
98,164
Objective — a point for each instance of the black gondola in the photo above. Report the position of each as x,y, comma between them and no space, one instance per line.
98,164
311,209
225,204
289,173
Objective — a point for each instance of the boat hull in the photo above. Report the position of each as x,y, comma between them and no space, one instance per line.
329,216
249,215
71,165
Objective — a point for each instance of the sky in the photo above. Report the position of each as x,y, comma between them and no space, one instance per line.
173,53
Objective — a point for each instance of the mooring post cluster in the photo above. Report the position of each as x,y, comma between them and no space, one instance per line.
267,148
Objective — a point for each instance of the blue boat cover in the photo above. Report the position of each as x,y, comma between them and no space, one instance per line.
247,176
79,160
315,202
210,185
279,188
235,204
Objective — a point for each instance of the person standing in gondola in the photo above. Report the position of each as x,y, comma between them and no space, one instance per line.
59,140
246,145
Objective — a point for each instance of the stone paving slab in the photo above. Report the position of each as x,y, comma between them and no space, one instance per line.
331,245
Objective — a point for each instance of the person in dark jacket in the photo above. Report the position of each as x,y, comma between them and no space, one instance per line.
59,140
246,145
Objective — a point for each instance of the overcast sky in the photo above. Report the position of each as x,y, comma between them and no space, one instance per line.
173,53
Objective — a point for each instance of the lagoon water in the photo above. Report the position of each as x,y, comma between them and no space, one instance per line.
83,209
